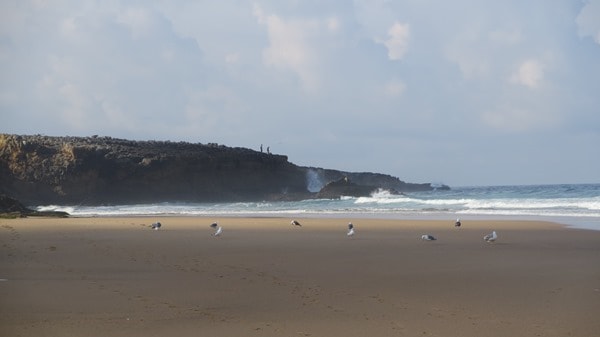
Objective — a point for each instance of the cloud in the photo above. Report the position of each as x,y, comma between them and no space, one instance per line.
397,41
482,52
469,50
588,20
292,46
89,68
241,74
530,73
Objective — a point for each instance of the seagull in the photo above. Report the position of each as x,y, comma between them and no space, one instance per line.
296,223
457,223
491,237
350,229
155,226
218,228
428,237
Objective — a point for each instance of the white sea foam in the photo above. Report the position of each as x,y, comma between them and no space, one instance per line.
521,204
55,208
382,196
571,201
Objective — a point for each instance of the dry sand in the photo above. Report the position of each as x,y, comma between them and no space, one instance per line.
264,277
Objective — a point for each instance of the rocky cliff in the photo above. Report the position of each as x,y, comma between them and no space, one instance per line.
104,170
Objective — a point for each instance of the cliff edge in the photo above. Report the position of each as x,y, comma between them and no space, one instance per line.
103,170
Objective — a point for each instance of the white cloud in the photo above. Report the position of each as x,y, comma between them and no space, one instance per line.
471,65
469,50
397,41
530,73
292,46
588,20
259,13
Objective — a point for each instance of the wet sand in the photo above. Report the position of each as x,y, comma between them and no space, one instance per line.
264,277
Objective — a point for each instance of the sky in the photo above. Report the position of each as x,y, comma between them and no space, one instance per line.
464,92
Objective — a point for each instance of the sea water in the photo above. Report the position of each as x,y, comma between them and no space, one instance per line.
577,205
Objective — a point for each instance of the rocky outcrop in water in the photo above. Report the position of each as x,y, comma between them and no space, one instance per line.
345,187
10,205
11,208
104,170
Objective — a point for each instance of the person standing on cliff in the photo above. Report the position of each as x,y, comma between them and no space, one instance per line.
268,150
260,148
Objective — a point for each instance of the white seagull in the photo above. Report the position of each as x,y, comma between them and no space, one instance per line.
428,237
457,223
296,223
350,229
491,237
218,228
155,226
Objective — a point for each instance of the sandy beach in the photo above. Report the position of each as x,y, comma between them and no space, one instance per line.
264,277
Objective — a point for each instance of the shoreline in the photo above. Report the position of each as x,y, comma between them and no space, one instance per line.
574,222
114,276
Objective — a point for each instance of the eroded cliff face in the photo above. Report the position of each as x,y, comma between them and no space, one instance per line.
39,169
104,170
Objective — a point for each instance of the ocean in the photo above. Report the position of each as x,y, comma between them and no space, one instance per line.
575,205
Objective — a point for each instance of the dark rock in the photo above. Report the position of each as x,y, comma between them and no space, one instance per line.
50,214
345,187
10,205
11,208
103,170
377,180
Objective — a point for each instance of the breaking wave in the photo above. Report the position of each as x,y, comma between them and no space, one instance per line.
574,201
